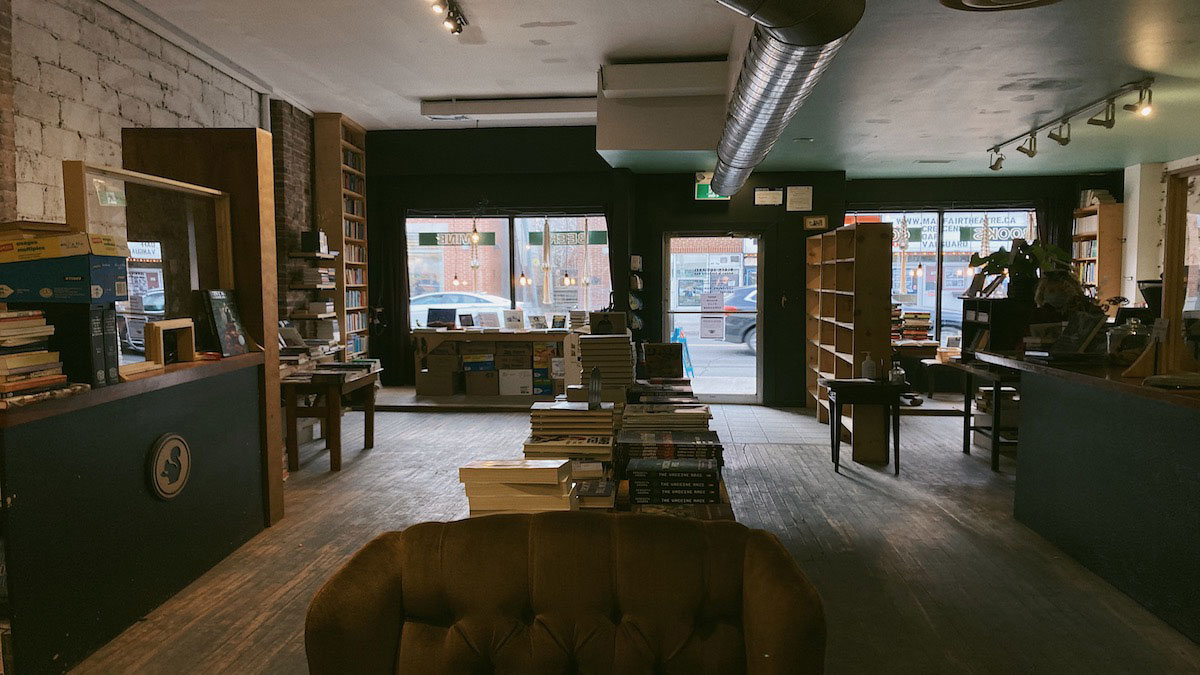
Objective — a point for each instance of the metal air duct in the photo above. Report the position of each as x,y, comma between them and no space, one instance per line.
793,44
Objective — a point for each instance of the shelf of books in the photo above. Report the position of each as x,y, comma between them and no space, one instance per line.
848,317
1096,247
341,206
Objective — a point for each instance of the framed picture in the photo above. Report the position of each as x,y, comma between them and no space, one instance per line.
816,222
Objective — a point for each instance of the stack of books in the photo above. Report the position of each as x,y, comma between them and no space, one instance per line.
315,276
596,494
674,481
916,325
612,354
664,390
670,445
518,486
666,417
27,367
569,430
897,322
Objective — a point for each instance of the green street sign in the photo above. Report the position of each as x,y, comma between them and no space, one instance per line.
570,238
454,238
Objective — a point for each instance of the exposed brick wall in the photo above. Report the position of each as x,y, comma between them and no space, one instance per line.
8,156
292,136
83,71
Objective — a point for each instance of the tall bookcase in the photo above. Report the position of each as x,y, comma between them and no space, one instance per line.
848,313
341,205
1096,248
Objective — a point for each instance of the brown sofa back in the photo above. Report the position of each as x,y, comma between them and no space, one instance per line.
568,592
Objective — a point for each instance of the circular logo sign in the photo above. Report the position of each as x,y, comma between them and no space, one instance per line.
170,465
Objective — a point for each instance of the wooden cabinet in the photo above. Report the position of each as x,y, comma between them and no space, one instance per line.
848,315
341,208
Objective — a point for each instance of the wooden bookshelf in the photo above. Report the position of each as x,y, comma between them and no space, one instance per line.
847,314
341,208
1096,248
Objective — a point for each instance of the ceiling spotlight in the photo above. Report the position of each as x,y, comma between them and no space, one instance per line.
1029,149
997,160
1110,116
455,19
1145,104
1061,135
437,7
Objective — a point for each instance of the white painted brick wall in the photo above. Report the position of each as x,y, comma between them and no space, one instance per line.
82,72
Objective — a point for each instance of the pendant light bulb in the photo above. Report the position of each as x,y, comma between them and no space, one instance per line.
474,231
456,282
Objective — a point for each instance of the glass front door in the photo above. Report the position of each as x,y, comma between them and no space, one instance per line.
711,306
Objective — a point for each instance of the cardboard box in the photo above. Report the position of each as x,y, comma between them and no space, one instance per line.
443,363
514,355
79,278
62,246
477,347
542,384
439,384
478,362
516,382
483,383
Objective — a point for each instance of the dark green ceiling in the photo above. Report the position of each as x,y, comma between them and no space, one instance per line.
922,90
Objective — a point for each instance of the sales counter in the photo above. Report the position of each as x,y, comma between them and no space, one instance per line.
1109,471
117,498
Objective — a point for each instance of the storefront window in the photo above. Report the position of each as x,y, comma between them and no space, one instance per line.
917,264
448,269
561,263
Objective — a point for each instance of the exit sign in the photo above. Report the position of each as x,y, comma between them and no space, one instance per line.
704,187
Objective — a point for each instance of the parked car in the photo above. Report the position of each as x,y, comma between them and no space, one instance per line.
131,324
742,328
462,302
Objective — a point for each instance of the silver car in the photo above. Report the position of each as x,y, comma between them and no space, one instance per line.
462,302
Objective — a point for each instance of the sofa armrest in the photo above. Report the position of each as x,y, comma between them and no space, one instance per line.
782,617
354,621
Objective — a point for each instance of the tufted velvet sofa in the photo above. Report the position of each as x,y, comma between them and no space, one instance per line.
568,592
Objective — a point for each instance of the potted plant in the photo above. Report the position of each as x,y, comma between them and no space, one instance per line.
1023,265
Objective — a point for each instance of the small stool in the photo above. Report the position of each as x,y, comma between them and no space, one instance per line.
864,392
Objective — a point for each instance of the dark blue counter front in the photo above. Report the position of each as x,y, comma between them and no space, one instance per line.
1113,479
89,545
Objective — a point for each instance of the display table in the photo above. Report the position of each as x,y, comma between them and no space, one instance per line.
90,546
328,409
1110,473
859,391
997,376
427,340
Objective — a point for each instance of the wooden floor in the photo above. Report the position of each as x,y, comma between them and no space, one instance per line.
923,573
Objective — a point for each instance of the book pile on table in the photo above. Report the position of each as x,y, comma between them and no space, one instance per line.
666,417
28,370
518,486
664,390
569,430
674,481
897,323
596,494
612,354
916,325
670,445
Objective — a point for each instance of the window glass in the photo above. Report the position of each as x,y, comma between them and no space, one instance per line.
443,258
916,266
562,264
965,233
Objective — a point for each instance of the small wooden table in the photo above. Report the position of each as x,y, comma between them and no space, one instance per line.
860,391
327,407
